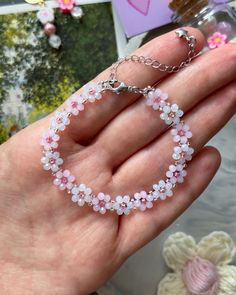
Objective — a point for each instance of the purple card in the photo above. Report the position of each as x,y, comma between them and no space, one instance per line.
138,16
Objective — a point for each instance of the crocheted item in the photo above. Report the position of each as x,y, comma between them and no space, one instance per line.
199,269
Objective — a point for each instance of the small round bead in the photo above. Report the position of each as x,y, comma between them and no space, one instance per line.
74,198
56,181
81,202
102,210
62,186
119,211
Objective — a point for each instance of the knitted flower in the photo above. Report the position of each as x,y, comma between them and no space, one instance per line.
199,269
66,5
45,15
217,40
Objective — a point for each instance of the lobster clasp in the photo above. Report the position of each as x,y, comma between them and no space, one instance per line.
117,86
181,33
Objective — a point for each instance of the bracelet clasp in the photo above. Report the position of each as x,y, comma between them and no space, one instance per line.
116,86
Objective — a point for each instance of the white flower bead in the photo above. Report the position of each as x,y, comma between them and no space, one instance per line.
163,190
171,114
51,161
143,201
60,121
183,153
81,194
123,205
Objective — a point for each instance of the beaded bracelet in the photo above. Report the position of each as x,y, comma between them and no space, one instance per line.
171,114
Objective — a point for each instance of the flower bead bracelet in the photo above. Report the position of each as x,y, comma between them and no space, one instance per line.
171,114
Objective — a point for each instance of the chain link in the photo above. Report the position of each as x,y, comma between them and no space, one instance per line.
155,64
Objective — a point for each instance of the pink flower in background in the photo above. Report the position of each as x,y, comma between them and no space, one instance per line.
45,15
217,40
66,5
199,268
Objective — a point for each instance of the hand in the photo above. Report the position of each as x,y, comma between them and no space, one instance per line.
48,245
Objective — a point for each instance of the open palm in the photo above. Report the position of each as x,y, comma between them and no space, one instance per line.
48,245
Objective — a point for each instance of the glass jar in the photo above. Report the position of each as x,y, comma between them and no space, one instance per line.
216,19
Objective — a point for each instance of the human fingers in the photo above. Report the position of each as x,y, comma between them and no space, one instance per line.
139,124
98,115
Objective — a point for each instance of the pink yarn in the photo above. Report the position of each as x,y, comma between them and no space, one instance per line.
201,277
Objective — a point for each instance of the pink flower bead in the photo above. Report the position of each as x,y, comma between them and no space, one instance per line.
74,104
92,92
176,173
66,5
217,40
49,140
162,190
101,203
156,99
64,180
81,194
171,114
123,205
143,201
181,133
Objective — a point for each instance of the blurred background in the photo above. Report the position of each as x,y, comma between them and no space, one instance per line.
36,77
